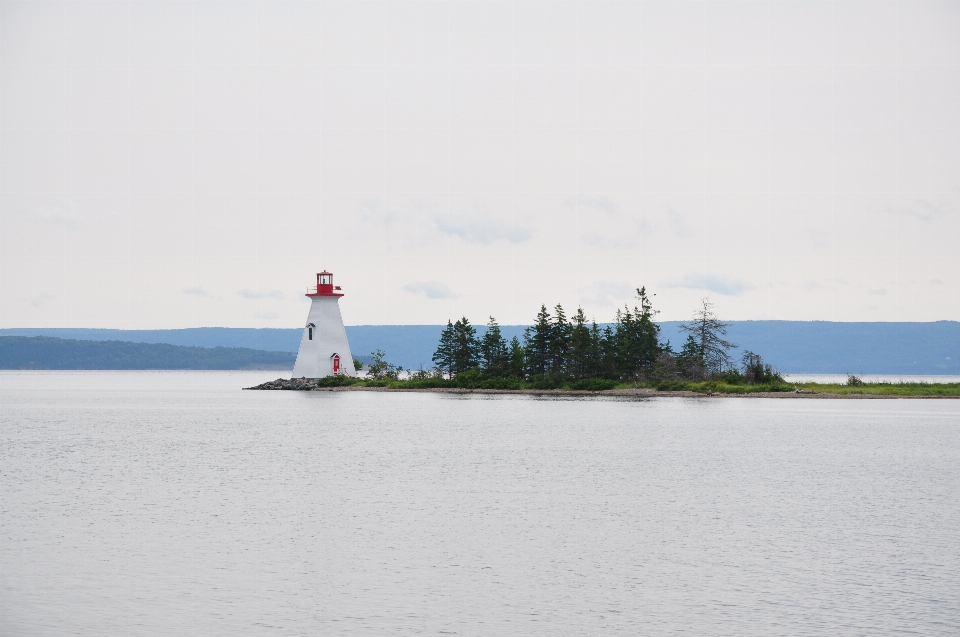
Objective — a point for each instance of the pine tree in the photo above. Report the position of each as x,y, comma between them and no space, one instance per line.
559,343
579,363
607,349
637,337
537,344
518,364
494,355
443,357
690,359
595,355
466,347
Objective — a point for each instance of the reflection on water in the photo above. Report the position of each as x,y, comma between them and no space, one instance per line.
172,503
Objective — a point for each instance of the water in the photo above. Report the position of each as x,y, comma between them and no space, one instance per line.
170,503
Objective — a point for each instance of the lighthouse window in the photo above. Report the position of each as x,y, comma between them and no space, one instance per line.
310,333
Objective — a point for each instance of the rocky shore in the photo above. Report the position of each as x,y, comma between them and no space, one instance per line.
303,384
295,384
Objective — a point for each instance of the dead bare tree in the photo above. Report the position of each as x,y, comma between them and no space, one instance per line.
708,332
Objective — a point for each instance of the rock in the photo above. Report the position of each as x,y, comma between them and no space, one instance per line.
294,384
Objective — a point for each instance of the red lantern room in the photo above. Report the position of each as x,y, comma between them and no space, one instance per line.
324,286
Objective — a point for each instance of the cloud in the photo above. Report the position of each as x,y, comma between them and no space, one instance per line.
196,291
597,202
65,213
479,227
372,211
251,294
41,299
677,225
920,209
713,283
606,293
431,290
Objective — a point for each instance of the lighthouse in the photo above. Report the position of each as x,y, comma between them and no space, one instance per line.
324,350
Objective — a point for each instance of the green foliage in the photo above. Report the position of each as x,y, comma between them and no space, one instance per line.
854,381
459,349
719,386
337,381
426,382
636,337
884,389
518,359
443,357
380,369
536,344
755,371
690,359
583,353
558,352
542,381
475,379
593,384
494,352
357,365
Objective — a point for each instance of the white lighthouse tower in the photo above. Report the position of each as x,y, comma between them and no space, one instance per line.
324,350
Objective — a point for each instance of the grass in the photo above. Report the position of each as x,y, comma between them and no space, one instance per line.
883,389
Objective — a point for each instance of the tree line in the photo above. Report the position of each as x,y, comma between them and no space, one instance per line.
556,349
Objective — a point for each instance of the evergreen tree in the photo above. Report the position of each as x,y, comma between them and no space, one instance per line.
579,361
708,331
537,344
443,357
690,359
607,349
518,364
595,356
637,337
494,355
466,347
559,343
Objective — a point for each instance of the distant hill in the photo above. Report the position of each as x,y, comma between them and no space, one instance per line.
42,352
792,346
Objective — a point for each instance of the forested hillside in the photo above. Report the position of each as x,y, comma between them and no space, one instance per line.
40,352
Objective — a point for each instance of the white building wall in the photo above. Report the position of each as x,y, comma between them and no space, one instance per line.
315,357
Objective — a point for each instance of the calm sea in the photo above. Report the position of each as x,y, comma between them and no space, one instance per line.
172,503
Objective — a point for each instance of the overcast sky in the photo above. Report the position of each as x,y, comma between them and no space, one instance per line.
179,164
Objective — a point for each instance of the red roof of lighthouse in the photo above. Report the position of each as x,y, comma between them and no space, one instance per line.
323,289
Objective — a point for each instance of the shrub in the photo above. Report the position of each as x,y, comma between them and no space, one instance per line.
468,379
430,382
756,372
854,381
336,381
593,384
543,381
501,383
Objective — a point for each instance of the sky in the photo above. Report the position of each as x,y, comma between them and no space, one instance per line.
183,164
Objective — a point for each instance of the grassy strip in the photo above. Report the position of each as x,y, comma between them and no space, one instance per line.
472,382
884,389
718,387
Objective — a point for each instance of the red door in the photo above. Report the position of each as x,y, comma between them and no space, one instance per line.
336,363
